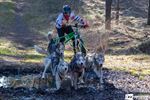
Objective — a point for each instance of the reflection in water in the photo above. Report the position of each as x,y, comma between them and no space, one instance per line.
23,90
28,81
3,81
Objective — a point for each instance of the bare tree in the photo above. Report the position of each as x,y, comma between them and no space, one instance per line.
148,19
108,14
117,12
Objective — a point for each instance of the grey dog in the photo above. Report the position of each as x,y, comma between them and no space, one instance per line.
95,62
77,68
52,59
60,72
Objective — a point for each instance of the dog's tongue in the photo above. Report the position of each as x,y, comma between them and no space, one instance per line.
81,69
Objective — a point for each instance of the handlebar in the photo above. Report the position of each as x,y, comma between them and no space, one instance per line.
77,25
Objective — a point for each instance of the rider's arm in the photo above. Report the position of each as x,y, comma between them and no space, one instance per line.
77,18
59,21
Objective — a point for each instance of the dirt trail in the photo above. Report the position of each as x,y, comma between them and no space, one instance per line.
23,35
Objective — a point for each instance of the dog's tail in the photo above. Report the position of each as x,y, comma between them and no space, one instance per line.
40,50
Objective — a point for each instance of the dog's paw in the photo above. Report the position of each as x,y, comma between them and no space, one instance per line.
81,82
43,77
72,88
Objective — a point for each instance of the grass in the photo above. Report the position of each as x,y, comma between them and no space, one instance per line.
5,51
7,7
7,48
35,57
6,13
32,58
137,65
6,1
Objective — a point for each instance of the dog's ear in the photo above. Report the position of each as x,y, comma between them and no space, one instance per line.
82,54
95,55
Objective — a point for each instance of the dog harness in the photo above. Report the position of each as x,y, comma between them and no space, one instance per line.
51,46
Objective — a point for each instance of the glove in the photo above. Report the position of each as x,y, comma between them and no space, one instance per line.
85,25
64,25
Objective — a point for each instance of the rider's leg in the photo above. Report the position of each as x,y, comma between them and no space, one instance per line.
70,30
75,46
82,48
60,32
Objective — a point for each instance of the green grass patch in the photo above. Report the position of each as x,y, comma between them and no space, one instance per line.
7,7
89,17
6,18
6,13
32,56
5,51
134,72
36,22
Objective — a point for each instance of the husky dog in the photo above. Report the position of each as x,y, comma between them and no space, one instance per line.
94,63
53,58
41,83
77,68
60,72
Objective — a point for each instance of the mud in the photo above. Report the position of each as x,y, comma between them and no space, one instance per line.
30,86
109,93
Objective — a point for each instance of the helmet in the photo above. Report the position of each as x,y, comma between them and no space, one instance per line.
66,9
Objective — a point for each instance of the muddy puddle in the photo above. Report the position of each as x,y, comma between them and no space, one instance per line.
26,81
31,87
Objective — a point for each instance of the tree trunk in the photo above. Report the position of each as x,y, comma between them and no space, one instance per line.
108,14
148,19
117,12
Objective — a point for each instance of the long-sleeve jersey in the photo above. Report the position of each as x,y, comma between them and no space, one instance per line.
72,17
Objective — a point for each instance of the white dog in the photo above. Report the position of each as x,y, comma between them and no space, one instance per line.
95,62
60,72
77,67
57,53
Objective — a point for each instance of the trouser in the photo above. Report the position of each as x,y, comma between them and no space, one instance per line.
61,32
